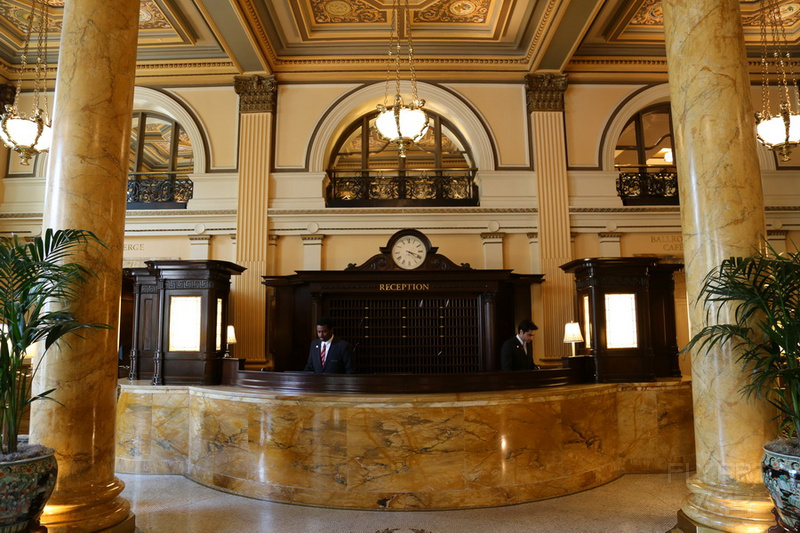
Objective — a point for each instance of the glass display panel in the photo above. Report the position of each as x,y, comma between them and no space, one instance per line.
621,321
587,322
185,313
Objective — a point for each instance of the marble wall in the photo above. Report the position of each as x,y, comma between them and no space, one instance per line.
405,451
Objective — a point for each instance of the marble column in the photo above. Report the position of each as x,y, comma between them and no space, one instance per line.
545,95
86,184
257,95
722,212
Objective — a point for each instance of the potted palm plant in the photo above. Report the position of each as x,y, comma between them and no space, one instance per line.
36,279
763,292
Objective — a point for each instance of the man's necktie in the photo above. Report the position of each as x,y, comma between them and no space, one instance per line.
322,354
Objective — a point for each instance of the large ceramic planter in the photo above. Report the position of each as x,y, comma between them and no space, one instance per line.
25,486
781,474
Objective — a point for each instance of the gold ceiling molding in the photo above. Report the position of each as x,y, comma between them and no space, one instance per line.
346,11
455,12
264,45
544,23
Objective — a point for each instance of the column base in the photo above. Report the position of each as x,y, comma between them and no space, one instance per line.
714,508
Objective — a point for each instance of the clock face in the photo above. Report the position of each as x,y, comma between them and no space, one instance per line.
409,252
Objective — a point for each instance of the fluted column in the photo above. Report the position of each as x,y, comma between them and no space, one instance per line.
722,213
546,107
256,104
86,183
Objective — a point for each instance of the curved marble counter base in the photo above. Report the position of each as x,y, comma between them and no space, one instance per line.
434,451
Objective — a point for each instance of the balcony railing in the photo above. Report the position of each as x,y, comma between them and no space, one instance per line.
401,188
647,185
159,190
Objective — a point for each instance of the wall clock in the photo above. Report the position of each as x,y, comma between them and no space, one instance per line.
409,251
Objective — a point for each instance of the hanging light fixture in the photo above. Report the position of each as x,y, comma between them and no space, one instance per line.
30,134
779,132
401,124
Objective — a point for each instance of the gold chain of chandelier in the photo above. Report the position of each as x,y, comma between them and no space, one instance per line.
401,124
30,134
779,132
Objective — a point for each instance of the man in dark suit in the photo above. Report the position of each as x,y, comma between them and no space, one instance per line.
517,352
327,354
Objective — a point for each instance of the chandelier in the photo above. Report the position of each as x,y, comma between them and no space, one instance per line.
779,132
30,134
401,124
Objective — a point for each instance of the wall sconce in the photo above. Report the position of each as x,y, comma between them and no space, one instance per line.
230,338
572,334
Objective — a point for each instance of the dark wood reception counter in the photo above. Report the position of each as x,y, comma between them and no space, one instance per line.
234,374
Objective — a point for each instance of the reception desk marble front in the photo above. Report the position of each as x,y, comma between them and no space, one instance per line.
404,451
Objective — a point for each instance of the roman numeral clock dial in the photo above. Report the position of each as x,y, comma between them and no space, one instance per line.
409,252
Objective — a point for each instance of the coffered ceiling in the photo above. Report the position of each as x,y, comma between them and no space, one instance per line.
209,41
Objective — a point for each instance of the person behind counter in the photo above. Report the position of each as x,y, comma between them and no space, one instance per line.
328,354
517,352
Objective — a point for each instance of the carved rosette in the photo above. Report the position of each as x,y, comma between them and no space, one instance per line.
257,94
545,92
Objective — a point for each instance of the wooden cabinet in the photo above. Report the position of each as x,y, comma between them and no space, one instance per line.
180,318
626,307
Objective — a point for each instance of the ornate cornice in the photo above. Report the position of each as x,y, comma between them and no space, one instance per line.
545,92
256,93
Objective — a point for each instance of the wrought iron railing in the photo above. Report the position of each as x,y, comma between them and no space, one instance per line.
402,187
159,190
647,185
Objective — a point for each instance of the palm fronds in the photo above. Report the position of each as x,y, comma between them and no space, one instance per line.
762,292
36,279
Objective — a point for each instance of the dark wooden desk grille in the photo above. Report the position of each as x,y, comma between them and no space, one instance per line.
411,335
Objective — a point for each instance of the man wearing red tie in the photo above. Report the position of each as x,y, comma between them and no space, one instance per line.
327,354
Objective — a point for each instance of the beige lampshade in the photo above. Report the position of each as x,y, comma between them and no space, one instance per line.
231,335
572,332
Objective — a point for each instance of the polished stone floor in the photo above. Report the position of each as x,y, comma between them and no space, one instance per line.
635,503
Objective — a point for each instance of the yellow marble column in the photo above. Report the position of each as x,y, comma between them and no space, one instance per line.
545,94
86,183
722,212
256,104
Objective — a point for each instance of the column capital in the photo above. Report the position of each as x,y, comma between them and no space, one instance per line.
257,94
545,92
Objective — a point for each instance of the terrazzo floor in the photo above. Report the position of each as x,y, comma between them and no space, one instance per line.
635,503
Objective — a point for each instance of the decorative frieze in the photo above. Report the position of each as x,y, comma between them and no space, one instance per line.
545,92
257,94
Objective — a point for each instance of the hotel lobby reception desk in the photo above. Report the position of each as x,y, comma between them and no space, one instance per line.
405,451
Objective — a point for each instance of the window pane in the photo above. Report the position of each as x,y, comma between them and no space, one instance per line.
134,143
156,150
184,161
657,137
625,153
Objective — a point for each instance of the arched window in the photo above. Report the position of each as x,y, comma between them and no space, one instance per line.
645,157
367,170
161,157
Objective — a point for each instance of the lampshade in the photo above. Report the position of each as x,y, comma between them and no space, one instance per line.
572,332
231,335
413,123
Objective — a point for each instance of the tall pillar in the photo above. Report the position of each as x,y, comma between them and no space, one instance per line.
257,95
545,95
86,184
722,212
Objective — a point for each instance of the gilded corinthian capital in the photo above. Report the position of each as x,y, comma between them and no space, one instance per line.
545,92
256,93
